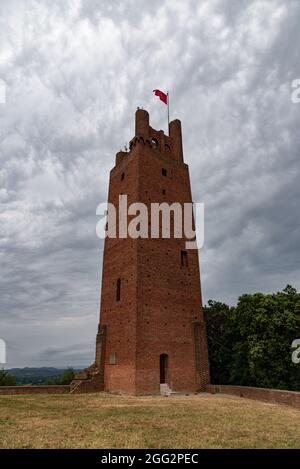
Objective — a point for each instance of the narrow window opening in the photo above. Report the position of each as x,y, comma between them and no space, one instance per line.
122,176
163,366
184,259
118,292
164,191
164,172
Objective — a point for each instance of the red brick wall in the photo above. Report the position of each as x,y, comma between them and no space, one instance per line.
61,389
160,299
269,395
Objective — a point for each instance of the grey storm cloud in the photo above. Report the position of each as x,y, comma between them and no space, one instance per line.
74,73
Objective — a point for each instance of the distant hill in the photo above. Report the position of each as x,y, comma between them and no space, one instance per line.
36,375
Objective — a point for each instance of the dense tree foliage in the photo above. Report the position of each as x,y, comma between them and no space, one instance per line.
219,330
250,344
7,379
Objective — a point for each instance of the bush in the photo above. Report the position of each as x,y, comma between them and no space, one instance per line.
65,378
6,379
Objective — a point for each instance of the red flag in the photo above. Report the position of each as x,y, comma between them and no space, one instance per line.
162,96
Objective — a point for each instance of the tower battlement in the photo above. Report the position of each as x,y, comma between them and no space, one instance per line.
170,146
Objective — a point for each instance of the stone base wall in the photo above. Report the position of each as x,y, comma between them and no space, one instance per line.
277,396
59,389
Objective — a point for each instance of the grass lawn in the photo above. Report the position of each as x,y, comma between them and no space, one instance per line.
110,421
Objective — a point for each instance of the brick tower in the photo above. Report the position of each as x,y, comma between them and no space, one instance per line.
151,330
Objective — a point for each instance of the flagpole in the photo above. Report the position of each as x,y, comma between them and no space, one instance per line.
168,113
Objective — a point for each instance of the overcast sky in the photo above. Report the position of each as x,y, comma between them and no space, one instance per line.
75,72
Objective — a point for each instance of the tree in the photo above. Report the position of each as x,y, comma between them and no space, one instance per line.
65,378
6,379
218,318
265,327
250,344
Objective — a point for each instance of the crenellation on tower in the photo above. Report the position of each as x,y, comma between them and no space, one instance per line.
142,123
176,139
120,156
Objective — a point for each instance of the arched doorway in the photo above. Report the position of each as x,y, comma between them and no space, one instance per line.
163,366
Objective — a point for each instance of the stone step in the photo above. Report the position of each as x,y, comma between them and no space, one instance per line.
165,390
